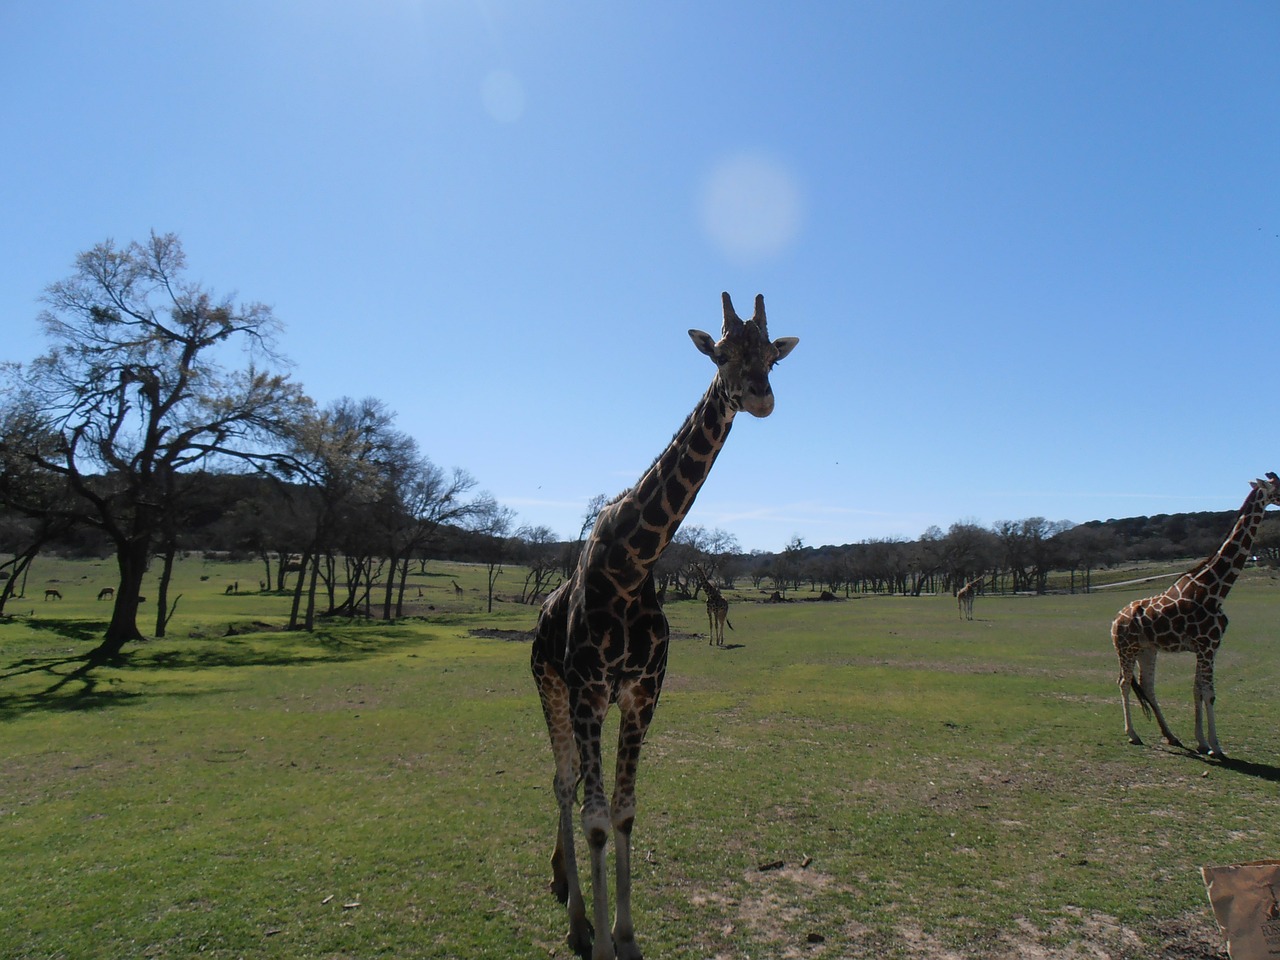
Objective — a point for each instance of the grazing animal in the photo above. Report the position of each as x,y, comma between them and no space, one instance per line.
602,637
717,611
965,595
52,595
107,593
457,590
1188,617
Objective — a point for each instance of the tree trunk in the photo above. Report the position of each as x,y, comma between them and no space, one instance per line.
309,623
404,582
162,601
19,564
132,560
297,590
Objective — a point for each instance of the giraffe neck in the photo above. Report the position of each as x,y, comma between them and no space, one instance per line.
1215,576
632,532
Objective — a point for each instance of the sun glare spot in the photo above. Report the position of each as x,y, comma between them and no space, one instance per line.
751,208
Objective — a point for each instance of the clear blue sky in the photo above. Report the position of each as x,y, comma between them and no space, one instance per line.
1031,249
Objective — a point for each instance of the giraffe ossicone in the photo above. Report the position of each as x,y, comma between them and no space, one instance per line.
602,637
1188,617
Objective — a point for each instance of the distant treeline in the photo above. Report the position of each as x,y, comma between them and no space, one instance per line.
247,517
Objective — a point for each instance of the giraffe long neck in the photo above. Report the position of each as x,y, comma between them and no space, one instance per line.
1216,575
632,532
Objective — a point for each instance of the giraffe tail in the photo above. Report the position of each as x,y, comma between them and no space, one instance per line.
728,623
1143,701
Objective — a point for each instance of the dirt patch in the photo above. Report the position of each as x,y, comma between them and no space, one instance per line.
513,636
778,909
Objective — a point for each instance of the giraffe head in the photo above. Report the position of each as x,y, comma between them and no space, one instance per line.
744,355
1270,490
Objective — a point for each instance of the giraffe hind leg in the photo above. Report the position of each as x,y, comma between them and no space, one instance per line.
1144,685
1204,697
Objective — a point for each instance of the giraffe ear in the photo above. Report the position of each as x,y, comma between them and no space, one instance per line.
785,345
703,342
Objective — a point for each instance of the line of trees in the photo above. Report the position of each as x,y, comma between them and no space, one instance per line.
132,428
1012,556
115,427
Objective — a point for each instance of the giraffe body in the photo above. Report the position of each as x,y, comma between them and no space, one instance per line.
965,595
717,611
602,637
1187,617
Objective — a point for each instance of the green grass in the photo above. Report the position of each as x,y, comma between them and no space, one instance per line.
383,790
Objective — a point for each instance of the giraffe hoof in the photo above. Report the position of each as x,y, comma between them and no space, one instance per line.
581,938
560,887
1174,742
1135,739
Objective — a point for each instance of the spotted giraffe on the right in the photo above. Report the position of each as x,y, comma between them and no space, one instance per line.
1188,617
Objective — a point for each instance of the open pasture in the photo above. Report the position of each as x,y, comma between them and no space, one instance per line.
868,778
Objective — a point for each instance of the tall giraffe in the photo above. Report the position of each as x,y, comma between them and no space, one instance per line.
602,636
717,610
965,597
1188,616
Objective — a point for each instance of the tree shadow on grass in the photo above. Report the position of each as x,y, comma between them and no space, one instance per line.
73,685
77,682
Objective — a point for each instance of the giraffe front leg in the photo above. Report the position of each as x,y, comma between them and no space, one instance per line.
636,704
595,820
565,884
564,862
1204,697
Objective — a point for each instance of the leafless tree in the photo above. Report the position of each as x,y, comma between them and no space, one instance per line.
538,545
418,498
493,522
133,391
338,453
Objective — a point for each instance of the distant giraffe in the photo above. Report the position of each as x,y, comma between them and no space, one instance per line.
457,590
965,597
717,610
602,637
1188,617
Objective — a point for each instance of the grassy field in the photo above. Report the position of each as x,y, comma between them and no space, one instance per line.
931,788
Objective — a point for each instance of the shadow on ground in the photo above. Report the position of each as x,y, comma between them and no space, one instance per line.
76,681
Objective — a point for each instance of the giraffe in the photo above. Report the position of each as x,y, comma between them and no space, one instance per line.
1188,616
965,597
457,590
717,610
601,637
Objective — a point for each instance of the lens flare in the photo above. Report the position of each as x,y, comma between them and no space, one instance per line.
751,208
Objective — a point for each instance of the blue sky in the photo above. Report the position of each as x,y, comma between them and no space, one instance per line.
1031,250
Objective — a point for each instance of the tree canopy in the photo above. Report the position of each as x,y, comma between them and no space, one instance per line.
131,393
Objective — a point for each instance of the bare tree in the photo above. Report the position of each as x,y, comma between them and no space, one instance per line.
573,549
540,561
133,392
338,453
418,499
493,522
